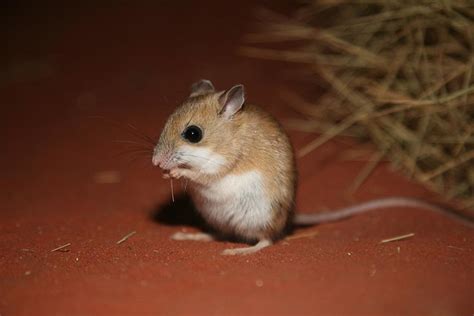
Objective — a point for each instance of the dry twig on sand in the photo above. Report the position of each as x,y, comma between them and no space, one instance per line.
127,236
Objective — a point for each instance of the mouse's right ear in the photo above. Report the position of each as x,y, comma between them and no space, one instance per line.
203,86
231,101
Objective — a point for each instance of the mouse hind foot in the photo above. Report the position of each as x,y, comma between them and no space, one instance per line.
192,236
248,250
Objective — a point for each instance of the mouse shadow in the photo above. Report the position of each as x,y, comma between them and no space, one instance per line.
180,212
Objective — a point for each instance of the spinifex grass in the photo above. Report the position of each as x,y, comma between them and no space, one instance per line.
398,73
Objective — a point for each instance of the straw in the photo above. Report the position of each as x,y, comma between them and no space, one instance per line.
398,74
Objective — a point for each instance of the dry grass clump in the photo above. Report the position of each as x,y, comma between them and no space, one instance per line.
397,72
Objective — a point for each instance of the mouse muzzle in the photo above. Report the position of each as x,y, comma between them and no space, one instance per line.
162,159
155,160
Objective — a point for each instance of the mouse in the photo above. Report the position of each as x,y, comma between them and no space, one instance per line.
241,169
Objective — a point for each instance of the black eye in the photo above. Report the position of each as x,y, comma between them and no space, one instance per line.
192,133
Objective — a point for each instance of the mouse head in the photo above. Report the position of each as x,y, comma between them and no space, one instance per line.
201,134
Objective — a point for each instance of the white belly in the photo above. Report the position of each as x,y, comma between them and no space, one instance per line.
236,204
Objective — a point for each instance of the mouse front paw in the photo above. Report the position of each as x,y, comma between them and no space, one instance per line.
177,173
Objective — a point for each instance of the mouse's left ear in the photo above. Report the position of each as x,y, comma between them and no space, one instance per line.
203,86
231,101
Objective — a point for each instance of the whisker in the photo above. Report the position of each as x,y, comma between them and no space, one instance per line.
144,138
137,151
147,146
137,162
134,160
130,128
150,139
131,149
133,146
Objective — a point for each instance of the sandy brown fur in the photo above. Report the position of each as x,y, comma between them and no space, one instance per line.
250,140
268,149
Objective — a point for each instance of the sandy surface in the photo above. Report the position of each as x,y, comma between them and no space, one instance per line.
64,179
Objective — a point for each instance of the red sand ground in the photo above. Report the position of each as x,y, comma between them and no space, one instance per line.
134,63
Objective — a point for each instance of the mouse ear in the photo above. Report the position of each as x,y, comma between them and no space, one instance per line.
231,101
203,86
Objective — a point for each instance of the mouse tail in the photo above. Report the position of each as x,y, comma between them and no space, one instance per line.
342,213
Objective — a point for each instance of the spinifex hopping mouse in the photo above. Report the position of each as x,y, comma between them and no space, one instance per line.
241,169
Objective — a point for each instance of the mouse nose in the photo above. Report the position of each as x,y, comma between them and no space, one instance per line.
155,160
161,159
157,156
